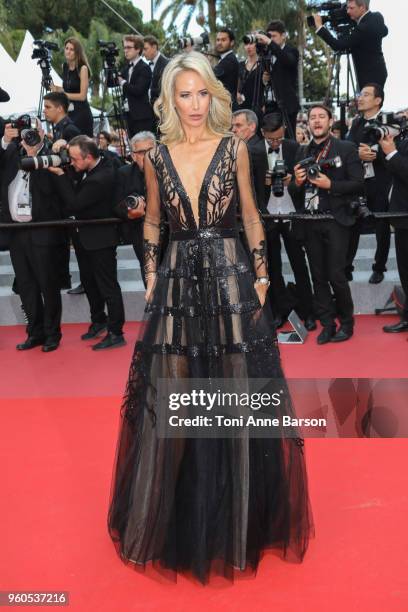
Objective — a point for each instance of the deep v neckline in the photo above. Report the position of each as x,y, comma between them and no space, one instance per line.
203,186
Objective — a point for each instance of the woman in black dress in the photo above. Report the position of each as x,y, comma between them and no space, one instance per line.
75,80
202,505
250,85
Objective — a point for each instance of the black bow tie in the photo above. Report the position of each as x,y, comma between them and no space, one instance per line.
151,63
131,65
270,150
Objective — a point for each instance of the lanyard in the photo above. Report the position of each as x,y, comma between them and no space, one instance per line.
324,152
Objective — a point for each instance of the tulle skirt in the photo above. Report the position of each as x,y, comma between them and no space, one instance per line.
204,505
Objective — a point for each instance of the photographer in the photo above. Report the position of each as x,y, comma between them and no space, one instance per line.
130,182
377,179
397,165
227,69
135,80
95,245
364,42
276,164
56,112
30,197
327,241
281,77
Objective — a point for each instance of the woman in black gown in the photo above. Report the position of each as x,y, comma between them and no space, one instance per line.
203,505
75,81
250,84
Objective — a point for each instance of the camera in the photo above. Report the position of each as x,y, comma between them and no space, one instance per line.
386,124
109,52
337,16
62,160
199,41
277,176
27,129
313,168
250,39
360,208
43,53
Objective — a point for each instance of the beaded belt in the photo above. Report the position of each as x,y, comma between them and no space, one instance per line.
205,233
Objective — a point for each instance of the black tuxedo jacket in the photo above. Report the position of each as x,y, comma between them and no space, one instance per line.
91,198
398,167
156,78
46,202
284,75
227,71
130,180
379,187
365,44
137,90
259,158
347,181
66,129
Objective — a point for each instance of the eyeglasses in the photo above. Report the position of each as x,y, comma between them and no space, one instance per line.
141,151
274,139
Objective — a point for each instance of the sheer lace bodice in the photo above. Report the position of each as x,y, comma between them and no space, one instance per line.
226,189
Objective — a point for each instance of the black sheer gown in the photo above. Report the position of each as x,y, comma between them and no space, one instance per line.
79,110
204,506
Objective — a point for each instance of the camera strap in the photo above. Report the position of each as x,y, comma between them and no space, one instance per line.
325,151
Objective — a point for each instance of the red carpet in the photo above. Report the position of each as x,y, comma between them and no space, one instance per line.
58,427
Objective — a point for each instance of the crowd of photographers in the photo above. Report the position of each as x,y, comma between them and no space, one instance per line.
300,165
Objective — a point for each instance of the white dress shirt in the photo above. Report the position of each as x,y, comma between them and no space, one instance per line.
283,205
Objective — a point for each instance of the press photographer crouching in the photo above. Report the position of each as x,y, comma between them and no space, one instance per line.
130,195
30,197
377,179
397,164
328,177
91,197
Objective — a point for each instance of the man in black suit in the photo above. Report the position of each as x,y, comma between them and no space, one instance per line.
30,197
227,69
377,179
245,125
327,241
130,181
364,42
136,80
281,79
157,63
275,149
397,164
95,245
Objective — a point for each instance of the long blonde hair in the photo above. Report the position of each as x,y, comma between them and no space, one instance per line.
220,115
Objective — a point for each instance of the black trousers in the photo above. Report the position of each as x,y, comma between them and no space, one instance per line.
99,277
326,247
281,301
377,201
140,125
401,248
36,270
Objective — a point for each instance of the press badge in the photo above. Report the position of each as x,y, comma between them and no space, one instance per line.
23,209
369,170
311,198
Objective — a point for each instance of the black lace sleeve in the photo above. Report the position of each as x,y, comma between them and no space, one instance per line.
151,227
251,217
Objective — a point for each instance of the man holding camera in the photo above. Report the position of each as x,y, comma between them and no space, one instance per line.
377,178
27,198
281,78
130,195
328,191
364,42
397,164
95,245
135,80
276,165
227,69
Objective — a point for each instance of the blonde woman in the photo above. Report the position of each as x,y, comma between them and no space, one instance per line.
75,79
188,503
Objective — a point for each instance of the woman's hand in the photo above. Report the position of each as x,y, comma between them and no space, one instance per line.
56,88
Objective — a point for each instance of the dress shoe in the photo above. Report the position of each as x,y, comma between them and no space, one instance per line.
310,324
326,335
110,341
50,344
94,330
376,278
77,290
402,326
30,343
342,335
